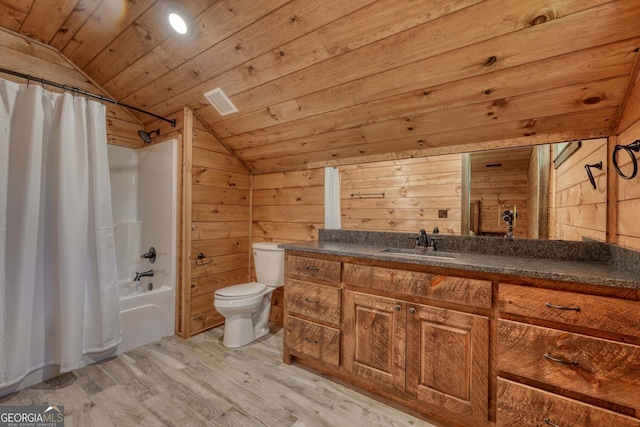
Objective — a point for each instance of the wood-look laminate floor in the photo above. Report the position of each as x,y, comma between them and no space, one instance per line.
198,382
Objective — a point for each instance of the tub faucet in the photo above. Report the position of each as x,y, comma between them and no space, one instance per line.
143,274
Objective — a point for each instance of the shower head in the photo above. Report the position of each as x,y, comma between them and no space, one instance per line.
146,136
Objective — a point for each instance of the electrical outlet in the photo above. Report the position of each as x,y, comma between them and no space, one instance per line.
443,213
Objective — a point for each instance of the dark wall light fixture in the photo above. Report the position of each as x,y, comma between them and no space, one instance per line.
592,180
146,136
634,146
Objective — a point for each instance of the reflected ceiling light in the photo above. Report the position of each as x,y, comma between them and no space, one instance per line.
178,23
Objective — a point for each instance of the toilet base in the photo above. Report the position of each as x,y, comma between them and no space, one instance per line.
235,334
238,330
242,328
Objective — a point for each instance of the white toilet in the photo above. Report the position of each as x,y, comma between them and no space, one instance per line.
246,307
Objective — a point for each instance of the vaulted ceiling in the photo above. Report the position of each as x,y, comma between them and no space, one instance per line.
327,81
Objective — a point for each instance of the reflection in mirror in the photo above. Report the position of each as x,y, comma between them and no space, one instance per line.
578,211
508,180
546,187
402,195
428,192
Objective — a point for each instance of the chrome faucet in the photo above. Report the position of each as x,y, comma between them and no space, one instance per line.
143,274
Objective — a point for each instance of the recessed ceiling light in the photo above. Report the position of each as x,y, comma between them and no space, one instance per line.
178,23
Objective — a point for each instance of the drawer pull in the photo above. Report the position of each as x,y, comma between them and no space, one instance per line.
565,361
561,307
398,307
312,268
548,422
312,301
412,310
312,341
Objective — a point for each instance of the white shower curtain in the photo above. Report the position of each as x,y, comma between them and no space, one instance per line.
58,291
332,219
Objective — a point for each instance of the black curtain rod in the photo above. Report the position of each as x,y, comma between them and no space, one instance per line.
85,93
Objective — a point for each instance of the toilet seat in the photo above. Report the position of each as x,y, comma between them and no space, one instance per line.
241,291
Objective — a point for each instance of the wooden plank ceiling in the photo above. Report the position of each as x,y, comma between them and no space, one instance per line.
335,81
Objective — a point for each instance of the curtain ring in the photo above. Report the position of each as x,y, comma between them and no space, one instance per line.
28,79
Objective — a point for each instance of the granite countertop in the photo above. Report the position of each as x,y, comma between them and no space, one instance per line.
588,272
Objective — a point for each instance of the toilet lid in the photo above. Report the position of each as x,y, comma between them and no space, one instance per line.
267,246
240,291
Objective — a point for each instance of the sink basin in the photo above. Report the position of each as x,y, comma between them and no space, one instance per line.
419,252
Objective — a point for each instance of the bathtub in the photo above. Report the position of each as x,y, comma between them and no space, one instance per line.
144,315
144,194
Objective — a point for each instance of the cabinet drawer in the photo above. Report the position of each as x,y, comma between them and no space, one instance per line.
600,313
521,405
305,268
312,339
469,292
603,369
316,301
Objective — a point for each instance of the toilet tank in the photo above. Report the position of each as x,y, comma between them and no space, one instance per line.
269,263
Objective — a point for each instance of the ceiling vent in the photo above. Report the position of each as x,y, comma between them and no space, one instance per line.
221,102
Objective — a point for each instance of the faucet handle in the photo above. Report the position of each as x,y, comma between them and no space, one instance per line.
417,240
433,241
151,255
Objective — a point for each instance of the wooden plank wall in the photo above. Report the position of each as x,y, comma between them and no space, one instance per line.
287,207
220,226
580,211
496,188
628,227
24,55
538,192
214,220
415,190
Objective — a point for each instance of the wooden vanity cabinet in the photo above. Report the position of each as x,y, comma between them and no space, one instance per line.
436,356
312,302
470,350
578,351
520,405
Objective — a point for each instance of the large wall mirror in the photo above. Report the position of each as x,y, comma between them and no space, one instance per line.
546,188
555,191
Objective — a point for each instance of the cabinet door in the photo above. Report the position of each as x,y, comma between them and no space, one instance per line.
374,332
448,359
